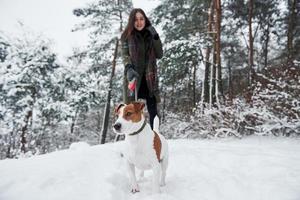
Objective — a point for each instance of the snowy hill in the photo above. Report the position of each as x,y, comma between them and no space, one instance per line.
252,168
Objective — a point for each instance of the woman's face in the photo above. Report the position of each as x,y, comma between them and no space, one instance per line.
139,22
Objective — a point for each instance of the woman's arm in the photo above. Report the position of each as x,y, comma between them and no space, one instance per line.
158,48
125,53
156,42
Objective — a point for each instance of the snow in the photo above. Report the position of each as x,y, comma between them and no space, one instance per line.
250,168
79,146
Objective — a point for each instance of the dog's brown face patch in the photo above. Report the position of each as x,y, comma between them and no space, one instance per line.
118,107
133,111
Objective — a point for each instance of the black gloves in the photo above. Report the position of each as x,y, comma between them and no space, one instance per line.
153,32
130,72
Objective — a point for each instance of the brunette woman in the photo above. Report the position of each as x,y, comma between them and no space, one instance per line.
141,46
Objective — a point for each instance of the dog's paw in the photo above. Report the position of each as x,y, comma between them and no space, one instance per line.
134,190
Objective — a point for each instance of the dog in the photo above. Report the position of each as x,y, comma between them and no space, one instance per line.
144,148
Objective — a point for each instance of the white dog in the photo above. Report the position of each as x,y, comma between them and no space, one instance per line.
145,148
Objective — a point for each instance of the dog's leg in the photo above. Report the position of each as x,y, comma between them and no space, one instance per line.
164,166
132,178
156,175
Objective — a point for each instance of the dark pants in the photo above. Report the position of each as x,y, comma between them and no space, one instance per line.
150,101
152,109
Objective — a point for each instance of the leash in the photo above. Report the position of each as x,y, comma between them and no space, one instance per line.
135,94
132,88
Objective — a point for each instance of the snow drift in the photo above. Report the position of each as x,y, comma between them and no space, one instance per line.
251,168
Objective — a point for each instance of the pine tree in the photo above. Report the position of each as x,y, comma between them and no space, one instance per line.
293,28
27,82
184,26
262,24
107,19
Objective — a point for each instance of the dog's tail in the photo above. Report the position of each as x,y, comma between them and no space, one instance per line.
156,124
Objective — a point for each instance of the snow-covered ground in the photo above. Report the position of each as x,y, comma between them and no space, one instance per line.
255,168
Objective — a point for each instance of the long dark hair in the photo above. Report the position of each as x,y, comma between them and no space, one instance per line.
130,25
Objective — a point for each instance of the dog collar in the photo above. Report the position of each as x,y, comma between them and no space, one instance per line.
140,130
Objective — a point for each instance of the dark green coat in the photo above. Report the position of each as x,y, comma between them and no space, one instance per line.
141,50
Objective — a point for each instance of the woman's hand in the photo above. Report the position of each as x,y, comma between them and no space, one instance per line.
131,73
132,84
132,77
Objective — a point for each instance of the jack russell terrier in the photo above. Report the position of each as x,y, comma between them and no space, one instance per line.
144,148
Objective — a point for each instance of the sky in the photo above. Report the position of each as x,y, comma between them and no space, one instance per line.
251,168
51,18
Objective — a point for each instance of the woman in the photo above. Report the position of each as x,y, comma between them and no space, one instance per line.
141,46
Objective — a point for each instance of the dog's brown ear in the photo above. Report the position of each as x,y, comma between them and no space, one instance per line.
138,106
117,108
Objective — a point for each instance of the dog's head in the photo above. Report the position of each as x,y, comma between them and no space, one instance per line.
129,117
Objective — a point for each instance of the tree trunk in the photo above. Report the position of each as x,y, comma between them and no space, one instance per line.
213,75
291,26
267,39
213,68
27,120
164,107
194,85
208,72
108,97
206,76
230,82
219,85
10,144
74,122
250,61
24,131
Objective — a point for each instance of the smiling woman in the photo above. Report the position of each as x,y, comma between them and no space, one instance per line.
141,47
